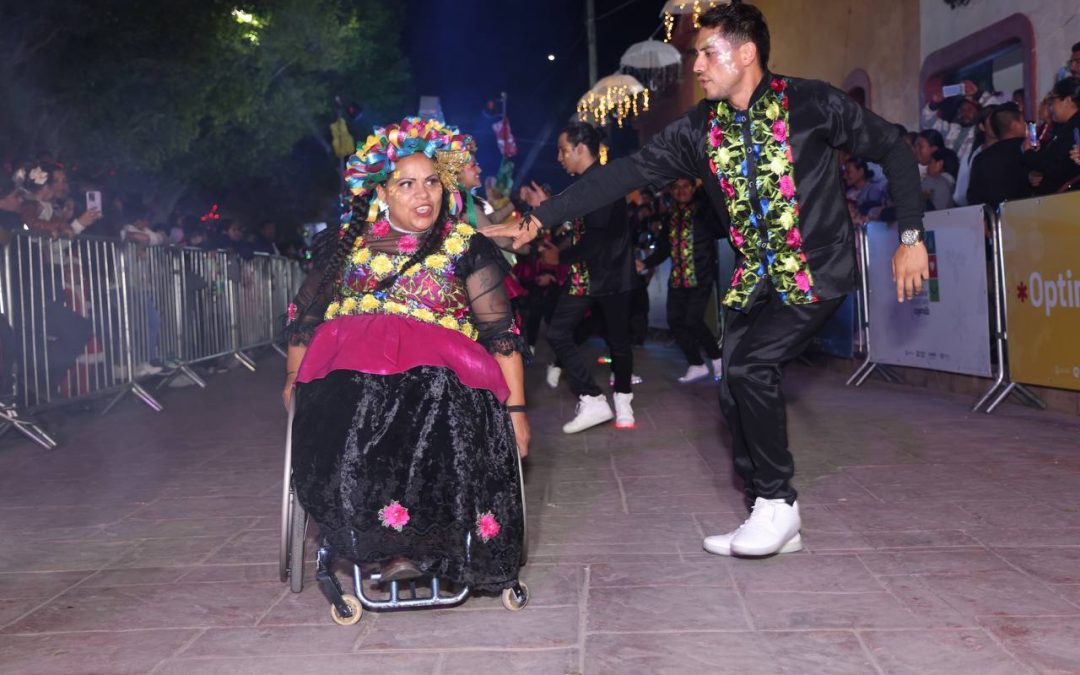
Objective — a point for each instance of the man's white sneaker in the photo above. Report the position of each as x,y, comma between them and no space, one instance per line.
590,411
720,544
553,374
624,413
772,525
694,373
717,368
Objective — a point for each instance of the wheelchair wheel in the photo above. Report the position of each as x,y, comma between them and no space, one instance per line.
286,502
516,597
297,537
354,605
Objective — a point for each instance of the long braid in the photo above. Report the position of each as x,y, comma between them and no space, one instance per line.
341,240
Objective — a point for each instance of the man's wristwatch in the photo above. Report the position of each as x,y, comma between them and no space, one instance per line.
910,237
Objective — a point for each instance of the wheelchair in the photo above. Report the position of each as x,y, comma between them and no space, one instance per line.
347,609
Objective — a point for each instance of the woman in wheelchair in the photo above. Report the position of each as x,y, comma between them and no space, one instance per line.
407,373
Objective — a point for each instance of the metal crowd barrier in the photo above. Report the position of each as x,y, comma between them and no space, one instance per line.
1006,379
90,318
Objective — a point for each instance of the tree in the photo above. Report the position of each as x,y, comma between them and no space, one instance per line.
179,95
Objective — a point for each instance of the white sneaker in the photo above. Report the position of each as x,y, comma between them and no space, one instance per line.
553,375
634,380
694,373
720,544
624,414
145,368
773,525
590,411
717,368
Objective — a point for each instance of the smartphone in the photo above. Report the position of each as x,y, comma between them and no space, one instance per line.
1033,134
93,201
950,90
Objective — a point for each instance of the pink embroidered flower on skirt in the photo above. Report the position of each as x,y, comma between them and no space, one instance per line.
802,281
487,527
290,313
380,228
736,237
794,238
737,277
787,187
394,515
407,244
779,131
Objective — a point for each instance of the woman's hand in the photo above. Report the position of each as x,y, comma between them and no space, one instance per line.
1074,153
287,393
522,432
89,218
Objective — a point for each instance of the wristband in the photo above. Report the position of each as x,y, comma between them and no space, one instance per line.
515,408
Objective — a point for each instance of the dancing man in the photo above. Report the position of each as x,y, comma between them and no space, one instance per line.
689,239
601,277
766,148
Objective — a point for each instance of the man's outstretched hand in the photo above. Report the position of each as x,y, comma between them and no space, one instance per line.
522,232
910,267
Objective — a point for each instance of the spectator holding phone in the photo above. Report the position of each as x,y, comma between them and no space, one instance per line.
1051,160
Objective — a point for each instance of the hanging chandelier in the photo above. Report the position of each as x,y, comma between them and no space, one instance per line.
616,96
692,7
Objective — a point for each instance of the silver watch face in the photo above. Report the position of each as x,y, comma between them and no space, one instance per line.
909,237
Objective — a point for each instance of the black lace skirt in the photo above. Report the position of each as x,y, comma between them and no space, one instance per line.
414,464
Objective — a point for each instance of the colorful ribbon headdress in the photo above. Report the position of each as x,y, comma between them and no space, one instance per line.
375,159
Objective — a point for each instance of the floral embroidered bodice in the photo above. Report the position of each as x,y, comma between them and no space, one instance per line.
427,291
750,154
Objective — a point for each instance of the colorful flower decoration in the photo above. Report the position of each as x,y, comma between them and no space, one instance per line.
394,515
487,527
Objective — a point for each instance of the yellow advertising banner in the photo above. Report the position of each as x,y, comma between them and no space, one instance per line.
1042,289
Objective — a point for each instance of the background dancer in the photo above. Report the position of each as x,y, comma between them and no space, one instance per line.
601,276
689,239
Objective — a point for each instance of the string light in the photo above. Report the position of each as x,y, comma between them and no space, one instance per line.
696,8
619,102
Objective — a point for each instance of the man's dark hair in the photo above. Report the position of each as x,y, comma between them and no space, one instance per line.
950,160
740,23
1076,47
933,137
581,132
1004,117
862,165
1068,87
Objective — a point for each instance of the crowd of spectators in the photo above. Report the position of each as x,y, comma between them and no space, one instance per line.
980,148
41,197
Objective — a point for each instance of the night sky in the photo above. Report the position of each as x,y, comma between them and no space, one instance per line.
467,51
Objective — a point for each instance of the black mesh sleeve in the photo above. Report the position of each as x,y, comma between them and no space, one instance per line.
483,269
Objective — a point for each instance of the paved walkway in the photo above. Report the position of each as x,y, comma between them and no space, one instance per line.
938,542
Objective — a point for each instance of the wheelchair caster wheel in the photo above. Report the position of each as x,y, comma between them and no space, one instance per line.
354,606
516,597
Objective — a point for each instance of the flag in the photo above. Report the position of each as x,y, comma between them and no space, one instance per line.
507,146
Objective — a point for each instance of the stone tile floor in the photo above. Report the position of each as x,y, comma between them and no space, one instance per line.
938,542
